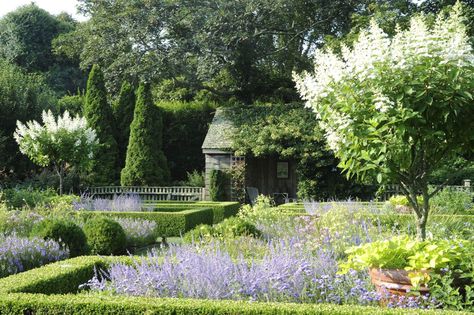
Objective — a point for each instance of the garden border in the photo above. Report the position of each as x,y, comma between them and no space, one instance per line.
49,290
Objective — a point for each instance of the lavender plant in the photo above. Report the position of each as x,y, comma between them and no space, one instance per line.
138,232
18,254
126,202
285,274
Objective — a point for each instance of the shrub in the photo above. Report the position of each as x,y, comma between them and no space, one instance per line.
194,179
17,198
217,185
100,118
453,201
63,231
18,222
168,223
145,162
228,229
105,236
18,254
185,125
139,232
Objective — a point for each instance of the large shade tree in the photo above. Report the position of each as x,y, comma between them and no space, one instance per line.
62,143
398,107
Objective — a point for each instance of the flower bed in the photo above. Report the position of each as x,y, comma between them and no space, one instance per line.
53,289
18,254
168,223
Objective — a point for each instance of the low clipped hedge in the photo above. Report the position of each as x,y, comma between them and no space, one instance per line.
220,210
52,289
168,223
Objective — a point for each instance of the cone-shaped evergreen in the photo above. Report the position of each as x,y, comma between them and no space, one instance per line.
100,118
145,164
123,112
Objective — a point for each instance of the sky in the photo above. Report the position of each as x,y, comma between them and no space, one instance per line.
52,6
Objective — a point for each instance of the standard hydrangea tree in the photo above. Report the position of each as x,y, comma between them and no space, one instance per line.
62,143
397,107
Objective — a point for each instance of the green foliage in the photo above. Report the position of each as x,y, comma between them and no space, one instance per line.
419,257
100,118
292,132
185,126
228,54
220,210
17,198
452,290
400,200
218,182
228,229
145,163
22,97
17,222
123,109
173,223
105,236
412,109
74,104
194,179
65,232
26,36
449,201
62,143
50,290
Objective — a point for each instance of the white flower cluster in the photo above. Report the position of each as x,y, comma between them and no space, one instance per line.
29,135
446,42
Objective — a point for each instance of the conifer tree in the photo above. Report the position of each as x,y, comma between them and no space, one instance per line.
100,118
145,163
123,113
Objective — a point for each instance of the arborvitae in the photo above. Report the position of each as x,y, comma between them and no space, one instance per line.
123,112
145,163
100,118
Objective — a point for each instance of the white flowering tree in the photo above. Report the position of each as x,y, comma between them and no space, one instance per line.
398,107
61,143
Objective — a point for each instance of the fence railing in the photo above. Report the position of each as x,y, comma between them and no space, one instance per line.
178,193
392,190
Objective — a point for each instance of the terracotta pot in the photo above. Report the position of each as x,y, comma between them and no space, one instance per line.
394,281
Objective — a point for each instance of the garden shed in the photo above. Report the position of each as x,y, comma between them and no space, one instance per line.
269,175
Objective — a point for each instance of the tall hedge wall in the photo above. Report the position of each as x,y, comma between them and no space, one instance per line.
185,126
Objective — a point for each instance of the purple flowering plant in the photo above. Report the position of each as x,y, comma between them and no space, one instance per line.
18,254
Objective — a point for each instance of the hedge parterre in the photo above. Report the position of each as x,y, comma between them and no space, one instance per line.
52,289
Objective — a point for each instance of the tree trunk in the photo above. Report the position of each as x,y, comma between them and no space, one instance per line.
61,180
421,210
60,171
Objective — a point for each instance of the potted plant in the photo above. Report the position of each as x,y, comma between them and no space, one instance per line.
400,265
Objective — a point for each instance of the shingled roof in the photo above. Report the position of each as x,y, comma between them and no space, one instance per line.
219,134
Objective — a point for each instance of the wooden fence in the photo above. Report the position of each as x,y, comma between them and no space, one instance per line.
150,193
392,190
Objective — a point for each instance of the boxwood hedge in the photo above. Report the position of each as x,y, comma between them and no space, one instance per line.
220,210
52,289
168,223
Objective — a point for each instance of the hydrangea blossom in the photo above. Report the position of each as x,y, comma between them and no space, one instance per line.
59,142
372,55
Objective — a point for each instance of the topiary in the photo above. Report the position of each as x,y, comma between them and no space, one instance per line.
145,163
64,231
105,236
99,116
